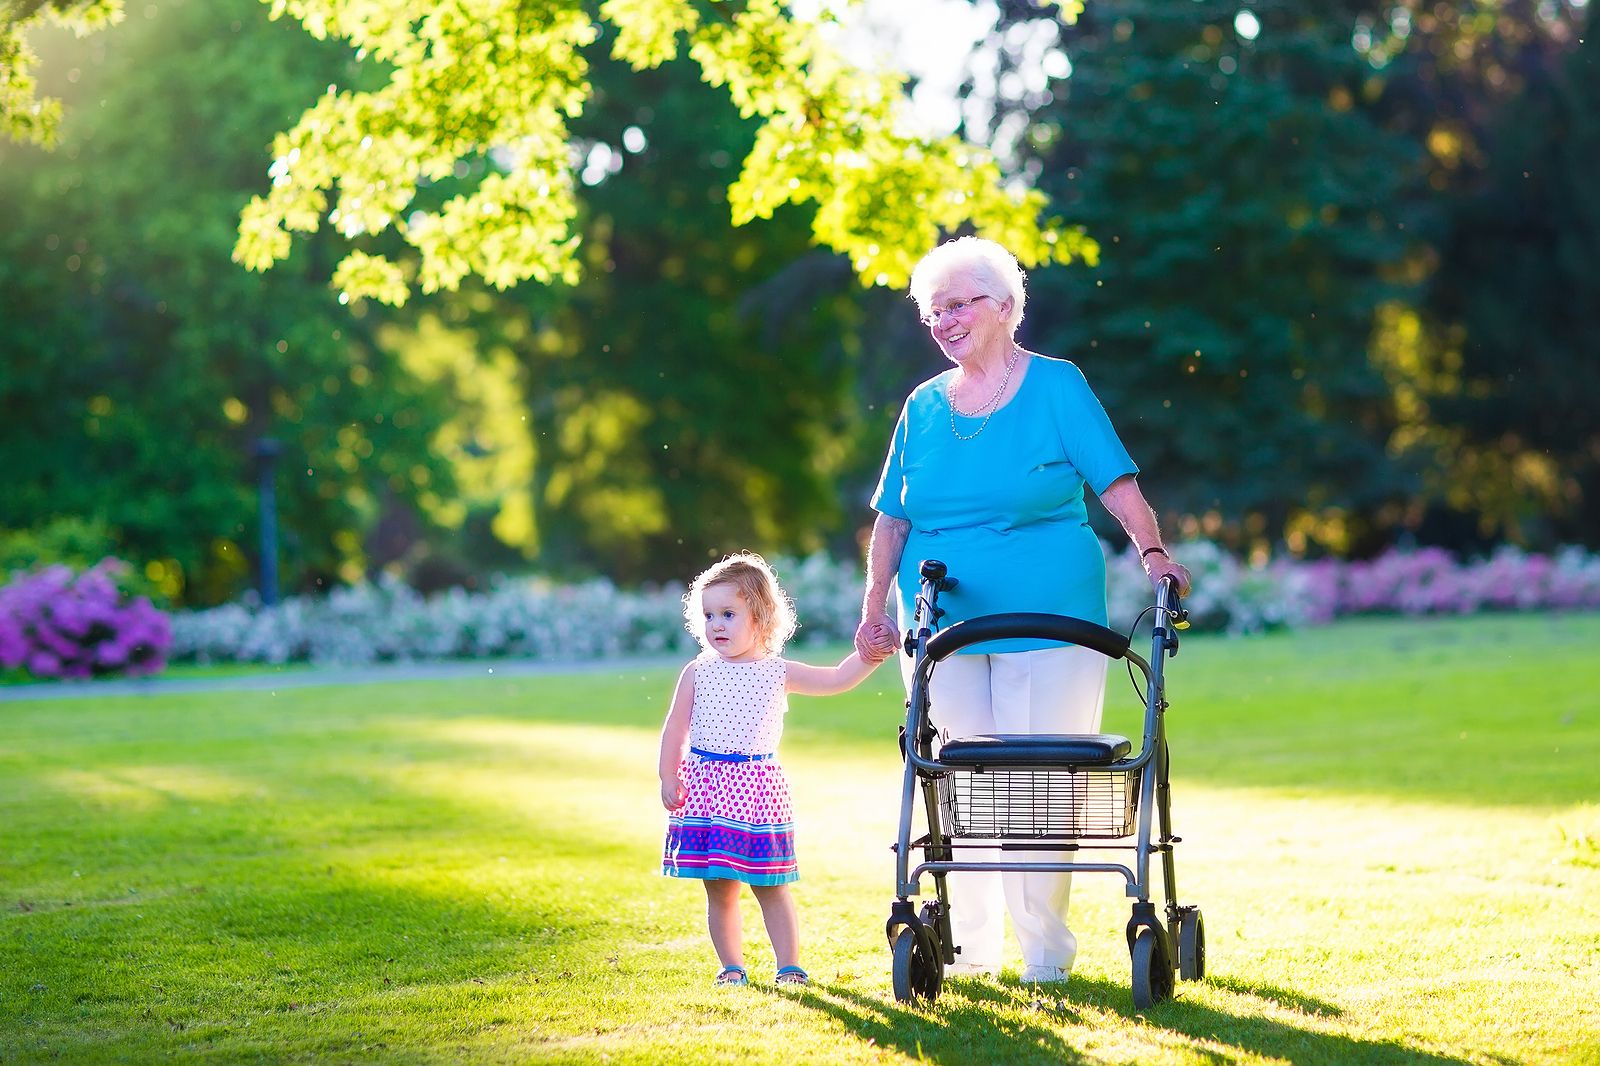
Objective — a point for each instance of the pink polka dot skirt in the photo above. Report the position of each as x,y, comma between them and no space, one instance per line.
737,824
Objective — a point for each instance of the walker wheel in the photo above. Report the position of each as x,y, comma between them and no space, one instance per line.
1152,970
1191,945
918,973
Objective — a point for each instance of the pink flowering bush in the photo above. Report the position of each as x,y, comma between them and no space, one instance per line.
1431,581
56,624
1238,597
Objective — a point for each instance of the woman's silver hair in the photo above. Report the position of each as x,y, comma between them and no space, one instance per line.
994,270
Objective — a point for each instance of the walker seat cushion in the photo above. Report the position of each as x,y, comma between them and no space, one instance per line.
1034,750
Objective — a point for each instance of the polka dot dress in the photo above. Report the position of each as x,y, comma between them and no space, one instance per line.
737,822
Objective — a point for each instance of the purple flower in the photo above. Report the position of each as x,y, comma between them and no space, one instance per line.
56,624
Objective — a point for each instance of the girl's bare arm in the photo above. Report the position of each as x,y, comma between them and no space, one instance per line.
675,739
807,680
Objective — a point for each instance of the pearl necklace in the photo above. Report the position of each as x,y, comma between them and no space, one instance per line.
992,406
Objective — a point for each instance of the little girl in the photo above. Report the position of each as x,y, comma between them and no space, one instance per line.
730,820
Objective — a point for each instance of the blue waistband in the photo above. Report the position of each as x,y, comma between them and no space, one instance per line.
729,756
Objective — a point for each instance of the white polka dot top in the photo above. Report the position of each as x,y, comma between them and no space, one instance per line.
738,707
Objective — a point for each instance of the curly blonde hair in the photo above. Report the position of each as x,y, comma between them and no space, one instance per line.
771,609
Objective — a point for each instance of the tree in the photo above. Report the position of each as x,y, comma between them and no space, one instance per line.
692,390
1517,298
141,364
501,81
1243,198
24,115
1485,359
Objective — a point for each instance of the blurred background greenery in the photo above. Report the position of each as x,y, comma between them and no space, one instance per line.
1346,298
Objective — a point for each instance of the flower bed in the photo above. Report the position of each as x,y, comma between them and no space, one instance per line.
57,624
532,618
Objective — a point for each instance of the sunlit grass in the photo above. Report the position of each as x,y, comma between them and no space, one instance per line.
1392,828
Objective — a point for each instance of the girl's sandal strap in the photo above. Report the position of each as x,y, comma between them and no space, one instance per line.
793,975
732,975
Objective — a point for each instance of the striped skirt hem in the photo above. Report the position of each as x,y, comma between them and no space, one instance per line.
726,849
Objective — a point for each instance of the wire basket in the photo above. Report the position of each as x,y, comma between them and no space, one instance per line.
1086,804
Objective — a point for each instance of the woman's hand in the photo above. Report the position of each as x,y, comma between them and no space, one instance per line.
672,794
877,638
1159,565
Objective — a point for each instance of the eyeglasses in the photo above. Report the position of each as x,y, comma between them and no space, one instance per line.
960,309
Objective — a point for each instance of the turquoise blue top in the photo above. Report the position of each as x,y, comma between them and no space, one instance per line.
1005,509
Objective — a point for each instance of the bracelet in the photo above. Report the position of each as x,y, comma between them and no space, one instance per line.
1157,548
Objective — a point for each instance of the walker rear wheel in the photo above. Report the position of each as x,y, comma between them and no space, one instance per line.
918,973
1152,970
1191,945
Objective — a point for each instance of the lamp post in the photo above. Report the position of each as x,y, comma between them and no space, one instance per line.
266,451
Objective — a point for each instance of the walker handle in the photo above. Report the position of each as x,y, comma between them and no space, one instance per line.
1107,642
1167,599
1169,608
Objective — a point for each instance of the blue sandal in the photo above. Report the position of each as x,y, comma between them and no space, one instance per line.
792,975
732,976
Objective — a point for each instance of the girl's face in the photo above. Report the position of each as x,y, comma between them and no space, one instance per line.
730,627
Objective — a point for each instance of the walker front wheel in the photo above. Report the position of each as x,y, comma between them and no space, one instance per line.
1152,970
918,973
1191,945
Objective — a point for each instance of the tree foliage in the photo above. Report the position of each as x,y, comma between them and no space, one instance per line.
1510,378
24,114
147,363
1244,201
693,392
693,383
504,79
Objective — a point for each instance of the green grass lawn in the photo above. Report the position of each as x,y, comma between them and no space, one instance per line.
173,671
1393,828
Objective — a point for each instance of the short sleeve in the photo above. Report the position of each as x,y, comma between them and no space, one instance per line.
886,500
1088,436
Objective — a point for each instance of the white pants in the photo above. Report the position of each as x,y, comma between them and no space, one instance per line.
1055,690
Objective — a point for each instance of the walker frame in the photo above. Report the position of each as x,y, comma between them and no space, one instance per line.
1041,792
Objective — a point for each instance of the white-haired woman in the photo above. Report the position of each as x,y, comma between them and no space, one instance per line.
986,472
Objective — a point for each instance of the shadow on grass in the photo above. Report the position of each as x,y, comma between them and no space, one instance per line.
976,1020
1267,1037
958,1029
1283,997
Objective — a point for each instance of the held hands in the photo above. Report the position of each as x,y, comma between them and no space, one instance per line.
673,795
877,638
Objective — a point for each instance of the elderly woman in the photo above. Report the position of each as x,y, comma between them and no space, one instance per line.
986,472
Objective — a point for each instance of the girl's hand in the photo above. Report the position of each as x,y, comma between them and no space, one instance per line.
673,795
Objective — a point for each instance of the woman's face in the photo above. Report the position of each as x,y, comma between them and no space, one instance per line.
976,324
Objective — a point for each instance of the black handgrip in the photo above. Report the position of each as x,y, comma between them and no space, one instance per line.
1174,602
1056,627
